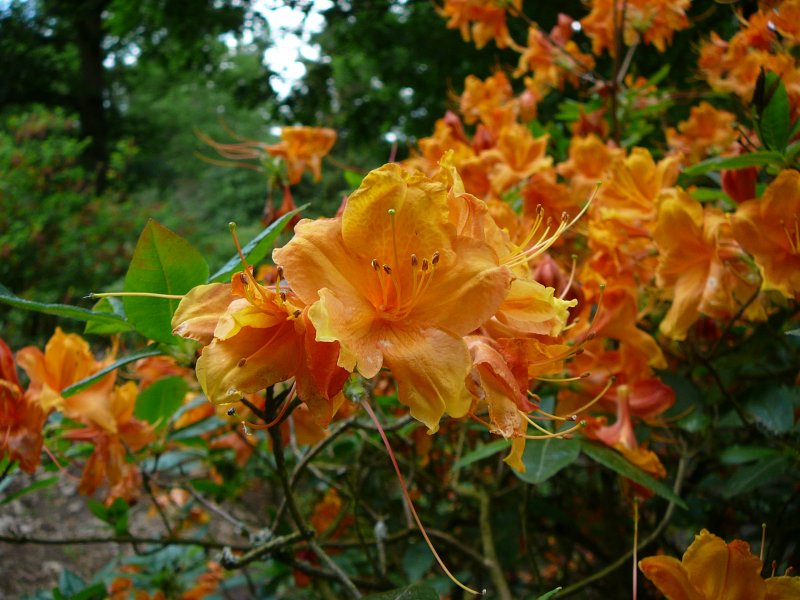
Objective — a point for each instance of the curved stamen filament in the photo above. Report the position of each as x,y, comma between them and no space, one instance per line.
135,294
247,272
563,379
793,236
565,291
559,434
410,504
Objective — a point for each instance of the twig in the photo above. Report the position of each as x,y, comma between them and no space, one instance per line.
261,550
118,539
487,539
297,516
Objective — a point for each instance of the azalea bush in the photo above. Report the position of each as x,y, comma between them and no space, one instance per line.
545,355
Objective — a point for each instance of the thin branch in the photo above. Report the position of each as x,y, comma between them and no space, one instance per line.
237,562
297,516
118,539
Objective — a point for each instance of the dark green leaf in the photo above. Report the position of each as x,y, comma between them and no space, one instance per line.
58,310
773,119
754,159
163,263
549,594
545,458
748,478
98,509
617,463
736,455
481,452
134,356
95,591
36,485
417,591
257,248
774,409
110,306
161,399
417,560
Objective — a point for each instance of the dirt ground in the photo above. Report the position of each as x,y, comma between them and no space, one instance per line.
55,512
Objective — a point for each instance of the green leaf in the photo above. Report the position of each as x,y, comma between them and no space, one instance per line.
417,560
795,332
545,458
110,306
774,409
69,583
98,509
160,400
712,195
133,356
36,485
353,179
617,463
549,594
163,263
257,248
754,159
736,455
748,478
773,120
481,452
58,310
417,591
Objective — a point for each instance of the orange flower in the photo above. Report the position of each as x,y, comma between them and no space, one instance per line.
711,570
303,148
769,229
481,20
479,97
21,420
707,131
393,284
107,462
589,161
700,265
518,155
67,359
655,22
254,337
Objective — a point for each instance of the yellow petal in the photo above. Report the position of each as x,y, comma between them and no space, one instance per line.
669,576
723,571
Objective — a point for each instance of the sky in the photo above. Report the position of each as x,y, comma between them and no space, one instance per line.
291,30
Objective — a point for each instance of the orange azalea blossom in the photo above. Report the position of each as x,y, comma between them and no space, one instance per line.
734,66
518,155
786,18
552,65
713,570
700,265
769,229
654,22
21,420
707,131
67,359
394,284
480,96
589,161
481,20
255,337
107,462
303,148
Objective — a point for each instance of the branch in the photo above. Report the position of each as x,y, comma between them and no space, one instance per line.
118,539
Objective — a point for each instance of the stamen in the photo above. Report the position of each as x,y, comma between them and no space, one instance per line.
392,213
375,264
565,291
246,275
563,379
387,269
793,234
135,294
414,260
242,362
763,538
558,434
435,258
424,264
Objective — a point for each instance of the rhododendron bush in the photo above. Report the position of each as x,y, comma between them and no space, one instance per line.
535,358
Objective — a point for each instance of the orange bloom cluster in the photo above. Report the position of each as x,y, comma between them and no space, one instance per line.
734,65
481,20
105,409
652,22
712,569
416,276
706,132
